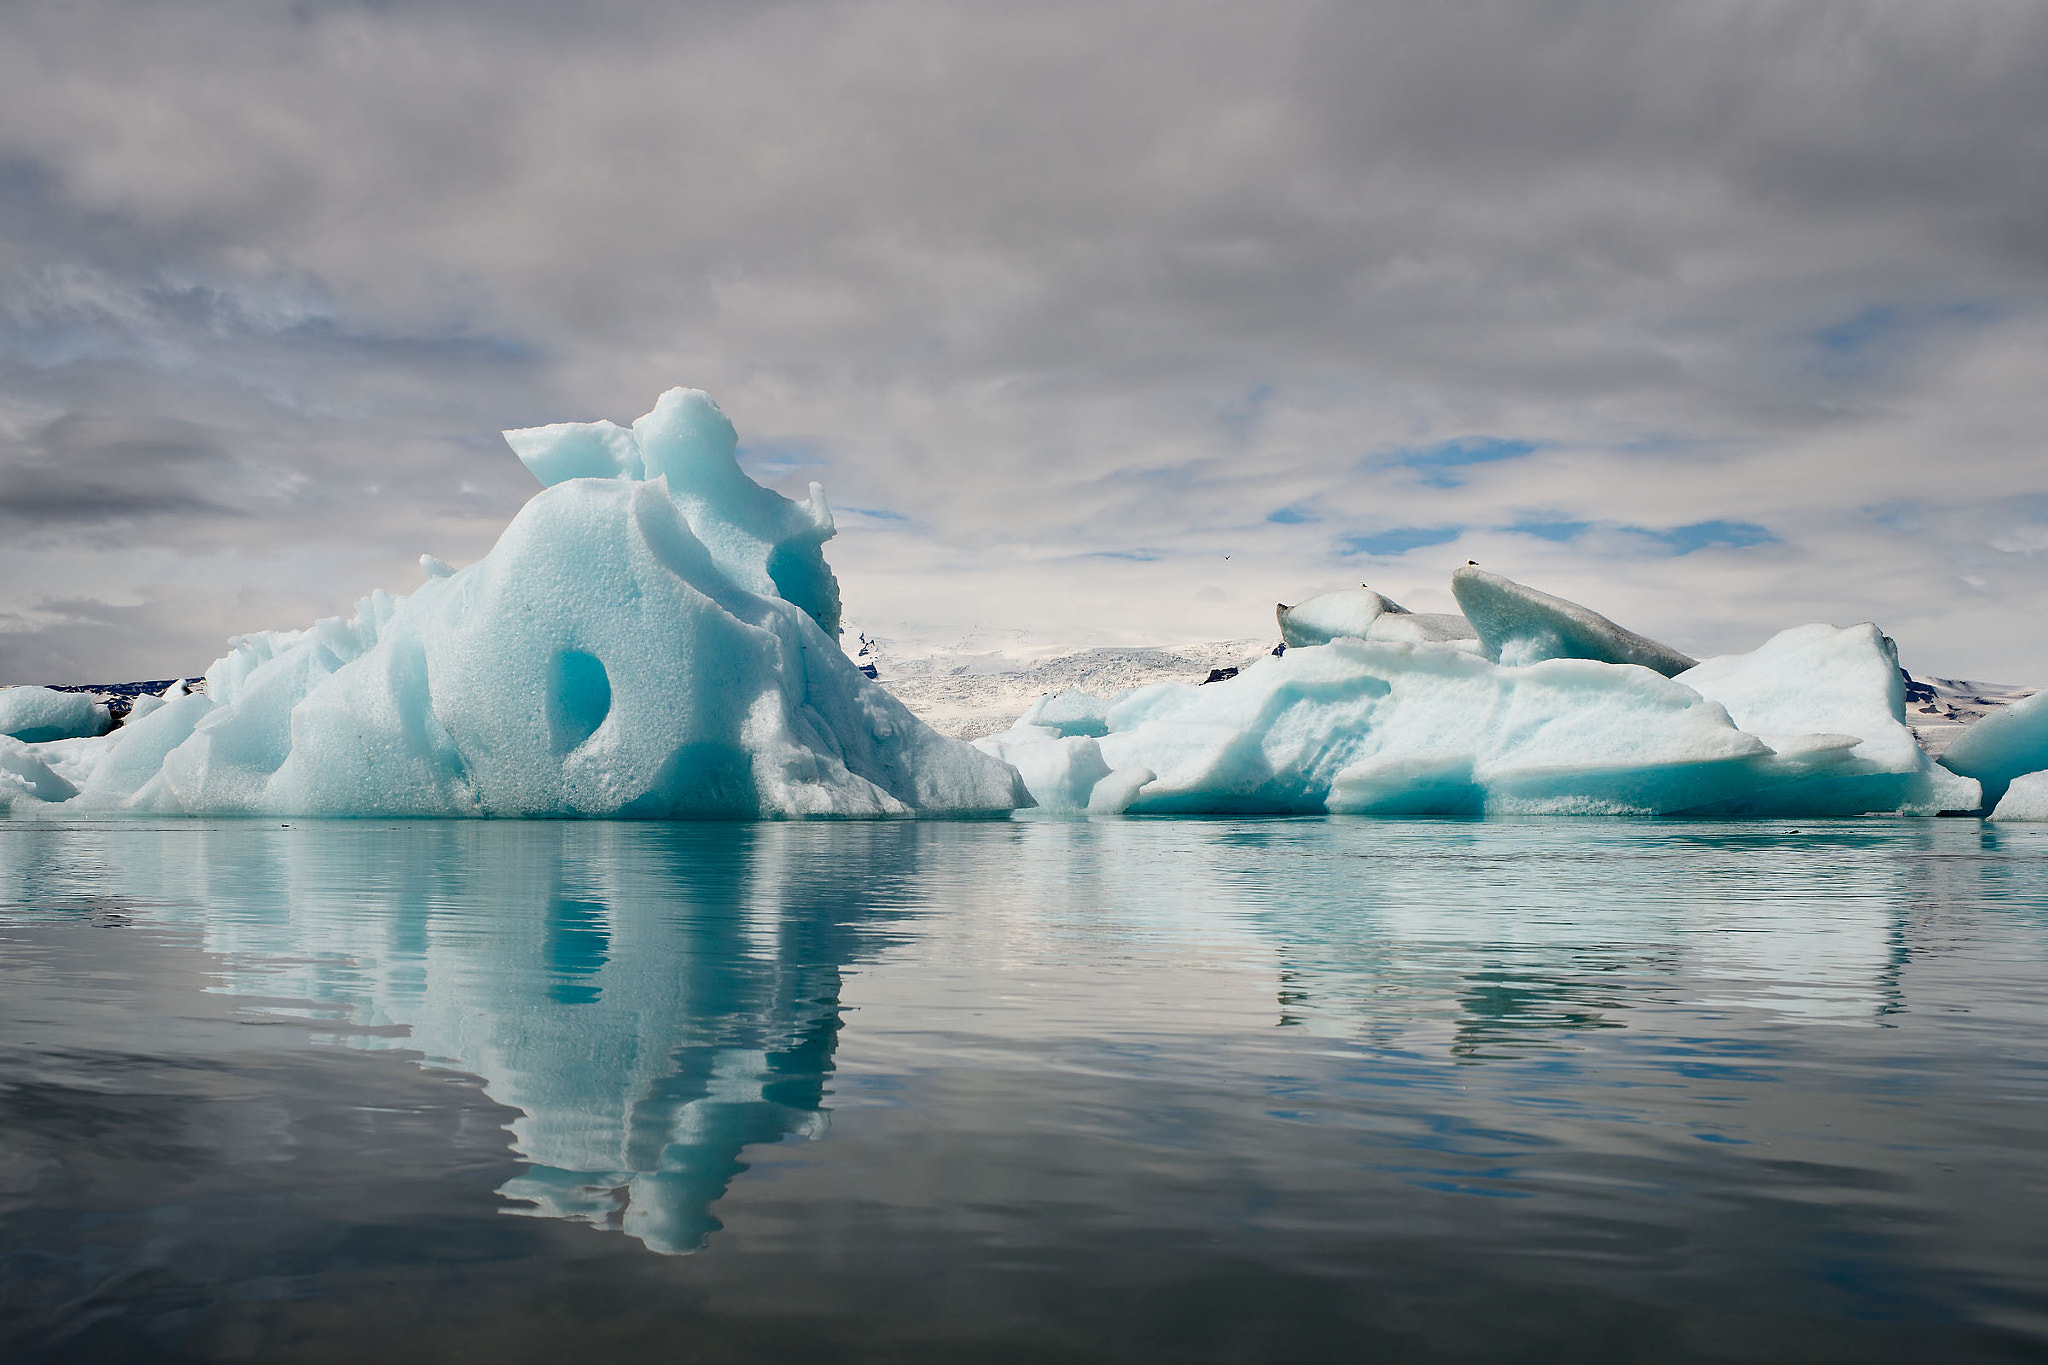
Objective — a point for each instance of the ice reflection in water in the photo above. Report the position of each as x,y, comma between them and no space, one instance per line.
653,1000
1537,939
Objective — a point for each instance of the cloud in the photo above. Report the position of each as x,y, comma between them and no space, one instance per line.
1047,283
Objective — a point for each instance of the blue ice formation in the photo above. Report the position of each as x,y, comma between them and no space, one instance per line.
1419,729
35,715
651,637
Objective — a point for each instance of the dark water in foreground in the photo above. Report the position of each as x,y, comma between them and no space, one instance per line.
1245,1090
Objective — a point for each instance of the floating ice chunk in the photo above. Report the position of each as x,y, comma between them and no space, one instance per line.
1996,750
36,714
1413,730
2025,798
1519,625
764,542
1839,680
605,659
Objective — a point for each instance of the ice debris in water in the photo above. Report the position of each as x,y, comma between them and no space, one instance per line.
2002,748
652,636
1420,729
34,715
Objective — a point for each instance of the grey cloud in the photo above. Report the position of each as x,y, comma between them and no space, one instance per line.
1011,272
83,469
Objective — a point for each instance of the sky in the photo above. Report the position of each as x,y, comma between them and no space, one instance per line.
1101,323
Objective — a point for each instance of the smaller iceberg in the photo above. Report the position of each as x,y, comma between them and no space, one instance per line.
2025,798
36,715
1810,724
2003,747
1519,625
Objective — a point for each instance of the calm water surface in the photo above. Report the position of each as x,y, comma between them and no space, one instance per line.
1233,1090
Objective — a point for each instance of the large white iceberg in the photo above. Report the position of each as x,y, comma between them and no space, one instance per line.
2007,744
1400,729
36,715
651,637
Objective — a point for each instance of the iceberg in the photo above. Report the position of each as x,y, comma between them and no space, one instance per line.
1830,679
1999,749
654,636
35,715
1519,625
1362,614
1807,725
651,637
1402,729
2025,798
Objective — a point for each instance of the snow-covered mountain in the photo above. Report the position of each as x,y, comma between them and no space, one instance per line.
1939,709
967,694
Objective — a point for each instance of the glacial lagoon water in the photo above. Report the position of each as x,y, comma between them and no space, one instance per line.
1023,1090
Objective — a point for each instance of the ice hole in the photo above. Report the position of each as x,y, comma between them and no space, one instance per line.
579,698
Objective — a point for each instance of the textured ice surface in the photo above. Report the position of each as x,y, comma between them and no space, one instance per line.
1362,614
2007,743
1831,679
1427,627
1519,625
1404,729
35,714
1399,729
764,542
25,773
1343,615
2025,798
622,651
